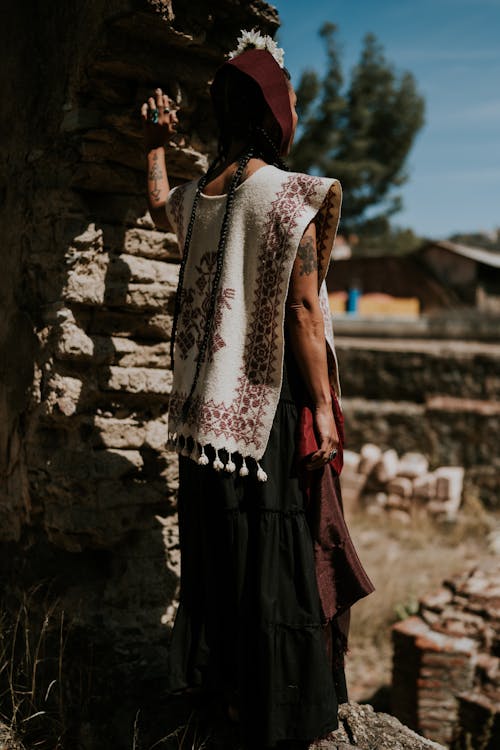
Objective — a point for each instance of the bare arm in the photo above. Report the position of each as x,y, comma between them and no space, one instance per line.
155,136
305,327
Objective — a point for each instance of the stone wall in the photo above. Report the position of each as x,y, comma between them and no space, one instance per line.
434,396
446,665
87,284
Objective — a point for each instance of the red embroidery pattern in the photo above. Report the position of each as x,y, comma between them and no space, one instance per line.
195,306
242,419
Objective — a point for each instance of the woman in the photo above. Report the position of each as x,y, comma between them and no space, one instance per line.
268,568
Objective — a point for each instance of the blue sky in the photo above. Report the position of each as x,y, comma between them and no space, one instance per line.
453,49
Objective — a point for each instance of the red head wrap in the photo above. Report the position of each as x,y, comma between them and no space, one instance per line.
261,67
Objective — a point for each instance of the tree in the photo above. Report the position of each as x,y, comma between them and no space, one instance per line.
363,137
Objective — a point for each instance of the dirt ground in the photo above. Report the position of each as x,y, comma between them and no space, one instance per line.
405,562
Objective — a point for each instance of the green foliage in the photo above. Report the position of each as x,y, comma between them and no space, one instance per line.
402,610
488,241
362,136
389,241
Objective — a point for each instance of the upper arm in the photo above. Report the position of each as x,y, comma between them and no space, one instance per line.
303,288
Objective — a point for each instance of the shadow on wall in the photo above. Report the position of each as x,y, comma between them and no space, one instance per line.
88,493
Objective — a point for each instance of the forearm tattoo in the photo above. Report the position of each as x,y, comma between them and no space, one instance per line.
307,255
155,175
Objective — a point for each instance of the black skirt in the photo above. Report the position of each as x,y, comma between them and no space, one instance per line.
249,625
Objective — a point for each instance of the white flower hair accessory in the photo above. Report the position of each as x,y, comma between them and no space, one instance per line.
255,40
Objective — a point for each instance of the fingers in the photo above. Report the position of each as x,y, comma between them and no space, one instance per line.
159,112
323,456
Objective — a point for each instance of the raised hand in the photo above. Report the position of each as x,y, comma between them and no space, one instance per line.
159,119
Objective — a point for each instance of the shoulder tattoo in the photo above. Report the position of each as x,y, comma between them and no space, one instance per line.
307,255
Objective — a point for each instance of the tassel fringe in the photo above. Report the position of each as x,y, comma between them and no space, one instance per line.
261,474
217,464
180,444
203,458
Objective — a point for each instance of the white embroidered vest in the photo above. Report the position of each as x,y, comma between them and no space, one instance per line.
238,390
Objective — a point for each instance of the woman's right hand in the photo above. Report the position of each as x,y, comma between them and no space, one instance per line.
326,435
157,133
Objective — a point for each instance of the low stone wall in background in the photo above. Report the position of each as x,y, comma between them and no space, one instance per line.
438,397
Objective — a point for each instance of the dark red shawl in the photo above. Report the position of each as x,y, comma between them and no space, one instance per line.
341,578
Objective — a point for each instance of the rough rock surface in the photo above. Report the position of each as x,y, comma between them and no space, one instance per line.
87,498
362,727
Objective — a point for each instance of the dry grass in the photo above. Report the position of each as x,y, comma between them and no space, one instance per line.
405,562
32,645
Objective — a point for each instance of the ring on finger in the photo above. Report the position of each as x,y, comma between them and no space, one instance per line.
332,454
153,115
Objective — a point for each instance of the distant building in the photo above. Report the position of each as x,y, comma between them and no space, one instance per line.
472,272
438,275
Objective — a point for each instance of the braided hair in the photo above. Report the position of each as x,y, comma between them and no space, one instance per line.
238,120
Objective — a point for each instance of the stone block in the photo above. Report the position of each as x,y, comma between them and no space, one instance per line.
478,721
370,455
151,244
437,600
151,325
424,486
73,343
387,466
401,486
62,395
412,465
118,433
449,484
136,380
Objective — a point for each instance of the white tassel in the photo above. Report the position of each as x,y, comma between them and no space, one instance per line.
230,466
244,469
203,458
171,440
261,474
217,464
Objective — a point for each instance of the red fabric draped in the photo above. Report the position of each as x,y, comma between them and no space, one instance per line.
341,578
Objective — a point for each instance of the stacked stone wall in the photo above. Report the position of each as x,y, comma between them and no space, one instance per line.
437,397
88,489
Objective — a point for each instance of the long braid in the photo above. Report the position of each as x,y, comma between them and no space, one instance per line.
185,253
236,179
267,147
